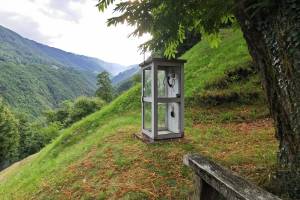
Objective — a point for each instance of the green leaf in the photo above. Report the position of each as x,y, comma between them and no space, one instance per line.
213,39
103,4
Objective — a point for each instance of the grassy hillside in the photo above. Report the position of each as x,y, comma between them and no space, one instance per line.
221,73
98,158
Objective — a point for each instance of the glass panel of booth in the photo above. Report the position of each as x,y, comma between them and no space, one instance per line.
161,83
147,123
162,116
147,82
168,118
168,81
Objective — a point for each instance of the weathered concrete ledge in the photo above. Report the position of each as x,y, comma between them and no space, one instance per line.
213,182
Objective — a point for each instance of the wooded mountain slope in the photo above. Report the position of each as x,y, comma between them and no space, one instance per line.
125,75
35,77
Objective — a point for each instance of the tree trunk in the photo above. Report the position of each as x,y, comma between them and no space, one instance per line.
272,32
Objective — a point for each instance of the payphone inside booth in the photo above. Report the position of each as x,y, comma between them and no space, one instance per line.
162,98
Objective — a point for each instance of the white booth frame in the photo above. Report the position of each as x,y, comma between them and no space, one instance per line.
155,64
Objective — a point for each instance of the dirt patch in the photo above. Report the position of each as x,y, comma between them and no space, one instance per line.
240,127
248,127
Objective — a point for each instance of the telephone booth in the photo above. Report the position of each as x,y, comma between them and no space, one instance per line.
162,98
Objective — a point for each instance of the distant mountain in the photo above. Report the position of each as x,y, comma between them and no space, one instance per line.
80,62
112,68
125,75
35,77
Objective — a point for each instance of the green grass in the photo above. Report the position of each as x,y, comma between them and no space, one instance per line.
206,65
98,158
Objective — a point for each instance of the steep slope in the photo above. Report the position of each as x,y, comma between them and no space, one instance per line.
34,88
35,77
97,158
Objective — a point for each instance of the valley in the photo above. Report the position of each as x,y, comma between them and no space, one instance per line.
50,75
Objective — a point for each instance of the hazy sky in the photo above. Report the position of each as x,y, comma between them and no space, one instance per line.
72,25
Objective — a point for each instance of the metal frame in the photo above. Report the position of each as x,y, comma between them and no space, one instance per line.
155,65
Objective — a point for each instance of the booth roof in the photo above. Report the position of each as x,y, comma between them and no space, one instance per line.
150,60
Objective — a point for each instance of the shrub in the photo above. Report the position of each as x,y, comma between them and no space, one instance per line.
70,112
36,135
61,114
9,137
84,106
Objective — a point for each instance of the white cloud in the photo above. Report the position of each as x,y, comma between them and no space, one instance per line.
72,25
23,25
